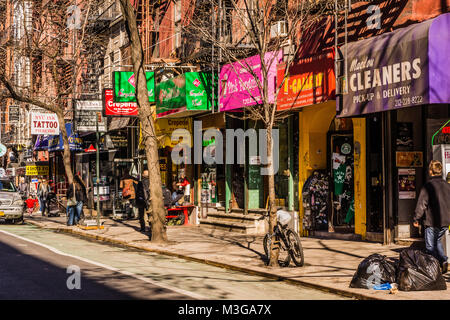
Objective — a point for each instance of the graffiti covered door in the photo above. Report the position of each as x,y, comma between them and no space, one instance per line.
342,188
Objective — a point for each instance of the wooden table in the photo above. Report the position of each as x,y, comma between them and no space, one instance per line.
184,209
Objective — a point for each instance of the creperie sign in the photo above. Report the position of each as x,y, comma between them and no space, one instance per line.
112,108
44,123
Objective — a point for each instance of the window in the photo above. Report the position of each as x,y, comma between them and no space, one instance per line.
7,186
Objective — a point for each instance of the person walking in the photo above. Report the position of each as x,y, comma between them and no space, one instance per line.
434,203
129,193
76,196
142,200
37,191
23,187
43,191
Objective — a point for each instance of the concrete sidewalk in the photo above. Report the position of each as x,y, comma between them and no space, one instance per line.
329,264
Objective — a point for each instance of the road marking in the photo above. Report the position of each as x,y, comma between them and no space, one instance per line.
156,283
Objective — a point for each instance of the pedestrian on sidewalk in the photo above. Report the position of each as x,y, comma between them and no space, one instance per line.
43,191
74,211
434,203
128,193
142,200
23,187
31,204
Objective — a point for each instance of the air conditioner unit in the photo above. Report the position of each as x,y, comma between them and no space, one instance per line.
278,29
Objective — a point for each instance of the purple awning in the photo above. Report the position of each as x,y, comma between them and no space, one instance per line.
404,68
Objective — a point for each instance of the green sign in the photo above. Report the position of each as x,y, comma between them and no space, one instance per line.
190,91
125,86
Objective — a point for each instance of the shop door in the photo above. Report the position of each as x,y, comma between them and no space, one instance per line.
342,195
374,174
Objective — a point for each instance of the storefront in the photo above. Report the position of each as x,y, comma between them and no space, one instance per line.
177,101
170,171
307,95
238,93
400,93
210,186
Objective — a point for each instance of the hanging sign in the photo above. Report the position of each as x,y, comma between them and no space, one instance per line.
36,170
44,123
86,115
125,86
111,108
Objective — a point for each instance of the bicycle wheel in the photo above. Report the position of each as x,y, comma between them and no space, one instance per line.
283,257
295,248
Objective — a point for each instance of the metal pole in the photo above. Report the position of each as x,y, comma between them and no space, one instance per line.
98,170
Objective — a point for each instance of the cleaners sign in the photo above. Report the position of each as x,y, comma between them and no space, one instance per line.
387,72
44,123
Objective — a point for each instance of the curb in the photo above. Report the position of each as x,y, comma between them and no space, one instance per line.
341,292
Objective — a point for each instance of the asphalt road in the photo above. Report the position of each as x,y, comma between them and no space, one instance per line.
39,264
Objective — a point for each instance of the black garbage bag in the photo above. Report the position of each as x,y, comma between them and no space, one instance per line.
374,270
418,271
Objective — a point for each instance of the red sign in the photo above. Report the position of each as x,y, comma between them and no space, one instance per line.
446,130
310,81
112,108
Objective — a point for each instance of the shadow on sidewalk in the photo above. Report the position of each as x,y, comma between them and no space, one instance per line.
339,251
238,242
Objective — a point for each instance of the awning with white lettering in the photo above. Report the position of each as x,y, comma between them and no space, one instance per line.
404,68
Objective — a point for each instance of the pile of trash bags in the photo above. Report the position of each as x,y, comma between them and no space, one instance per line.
415,271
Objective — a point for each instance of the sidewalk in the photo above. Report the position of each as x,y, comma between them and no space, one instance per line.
329,264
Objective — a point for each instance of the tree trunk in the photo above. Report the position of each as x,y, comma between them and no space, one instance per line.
274,248
158,216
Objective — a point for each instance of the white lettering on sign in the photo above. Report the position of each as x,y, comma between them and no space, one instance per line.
386,75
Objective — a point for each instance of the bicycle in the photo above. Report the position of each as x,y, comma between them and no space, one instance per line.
287,240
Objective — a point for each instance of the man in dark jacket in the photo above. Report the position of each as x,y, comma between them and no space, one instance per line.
142,199
434,202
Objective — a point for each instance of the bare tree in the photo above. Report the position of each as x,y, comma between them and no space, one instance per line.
54,40
147,113
228,25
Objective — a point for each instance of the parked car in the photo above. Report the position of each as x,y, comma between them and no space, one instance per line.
11,202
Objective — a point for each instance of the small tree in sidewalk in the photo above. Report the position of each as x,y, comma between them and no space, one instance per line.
147,113
262,28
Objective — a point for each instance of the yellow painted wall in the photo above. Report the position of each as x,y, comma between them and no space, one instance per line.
359,138
314,123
